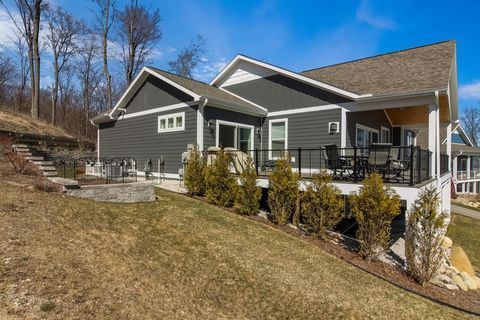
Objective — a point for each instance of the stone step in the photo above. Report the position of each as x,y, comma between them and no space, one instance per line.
19,146
50,173
35,158
66,183
25,154
43,163
22,149
47,168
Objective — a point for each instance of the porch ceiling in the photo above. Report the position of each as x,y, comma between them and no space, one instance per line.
417,114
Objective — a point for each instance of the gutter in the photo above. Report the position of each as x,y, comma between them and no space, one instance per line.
393,96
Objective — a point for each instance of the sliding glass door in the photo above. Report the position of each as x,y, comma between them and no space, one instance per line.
234,136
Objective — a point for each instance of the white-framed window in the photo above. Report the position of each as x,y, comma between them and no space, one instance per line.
234,135
385,135
365,136
277,137
171,122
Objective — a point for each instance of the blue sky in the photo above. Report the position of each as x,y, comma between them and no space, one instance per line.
300,35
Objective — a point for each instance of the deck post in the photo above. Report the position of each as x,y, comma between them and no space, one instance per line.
256,160
412,164
355,161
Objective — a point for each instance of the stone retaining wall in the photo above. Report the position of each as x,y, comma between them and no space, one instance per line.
124,193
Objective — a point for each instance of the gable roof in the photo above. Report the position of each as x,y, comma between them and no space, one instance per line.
196,89
418,69
294,75
210,92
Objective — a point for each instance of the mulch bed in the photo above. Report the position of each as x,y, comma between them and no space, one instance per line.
466,301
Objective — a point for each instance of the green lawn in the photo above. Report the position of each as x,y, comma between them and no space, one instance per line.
67,258
465,232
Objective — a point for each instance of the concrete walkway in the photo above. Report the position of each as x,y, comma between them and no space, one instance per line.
466,212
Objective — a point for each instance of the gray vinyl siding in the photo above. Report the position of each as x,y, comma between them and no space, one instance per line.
138,138
155,93
213,114
374,119
308,129
278,93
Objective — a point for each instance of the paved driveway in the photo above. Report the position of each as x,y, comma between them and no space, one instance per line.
466,212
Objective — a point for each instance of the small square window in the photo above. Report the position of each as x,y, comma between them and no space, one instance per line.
163,123
179,122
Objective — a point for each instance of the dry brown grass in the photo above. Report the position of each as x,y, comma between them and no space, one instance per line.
17,122
67,258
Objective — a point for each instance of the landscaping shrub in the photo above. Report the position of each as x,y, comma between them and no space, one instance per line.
283,191
374,208
193,175
220,184
247,200
18,163
423,237
322,205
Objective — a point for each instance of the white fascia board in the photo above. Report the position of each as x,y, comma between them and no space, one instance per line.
142,75
288,73
459,127
304,110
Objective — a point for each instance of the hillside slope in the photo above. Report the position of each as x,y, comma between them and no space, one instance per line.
17,122
176,258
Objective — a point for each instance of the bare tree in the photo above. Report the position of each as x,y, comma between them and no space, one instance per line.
30,13
22,71
189,57
471,123
7,71
65,90
105,17
137,32
62,33
87,73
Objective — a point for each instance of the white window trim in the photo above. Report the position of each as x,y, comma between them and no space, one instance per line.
174,116
382,128
270,136
361,126
236,125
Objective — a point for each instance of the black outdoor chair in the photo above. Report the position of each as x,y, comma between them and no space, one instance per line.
379,158
400,165
335,162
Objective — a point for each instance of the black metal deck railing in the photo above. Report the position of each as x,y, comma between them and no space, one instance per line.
89,171
407,165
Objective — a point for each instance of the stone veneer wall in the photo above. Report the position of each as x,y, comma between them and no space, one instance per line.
122,193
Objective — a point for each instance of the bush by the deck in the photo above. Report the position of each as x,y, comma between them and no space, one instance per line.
247,200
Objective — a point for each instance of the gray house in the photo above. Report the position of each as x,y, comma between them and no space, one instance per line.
264,110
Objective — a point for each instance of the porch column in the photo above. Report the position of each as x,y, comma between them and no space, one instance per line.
432,137
454,168
468,167
200,120
449,145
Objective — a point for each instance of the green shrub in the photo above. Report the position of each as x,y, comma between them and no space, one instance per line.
424,236
374,208
247,200
220,184
194,180
283,191
322,205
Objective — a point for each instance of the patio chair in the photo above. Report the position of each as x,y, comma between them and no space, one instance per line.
379,158
335,163
400,165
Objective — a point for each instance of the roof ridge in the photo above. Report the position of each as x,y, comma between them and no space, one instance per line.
376,56
177,75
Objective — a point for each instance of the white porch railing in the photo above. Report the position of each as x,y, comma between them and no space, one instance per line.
468,175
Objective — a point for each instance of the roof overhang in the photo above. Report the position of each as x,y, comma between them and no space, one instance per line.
253,110
218,79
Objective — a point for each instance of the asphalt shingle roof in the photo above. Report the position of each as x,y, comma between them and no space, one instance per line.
203,89
417,69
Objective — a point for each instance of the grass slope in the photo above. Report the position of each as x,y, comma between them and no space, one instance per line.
17,122
465,232
69,258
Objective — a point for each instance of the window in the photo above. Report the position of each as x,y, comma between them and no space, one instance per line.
278,134
365,137
410,138
171,122
234,135
385,135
